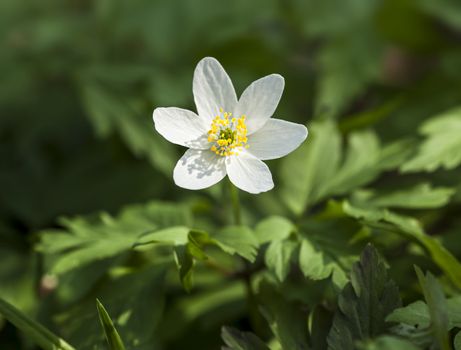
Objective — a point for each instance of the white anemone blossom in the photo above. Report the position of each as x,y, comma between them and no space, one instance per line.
229,135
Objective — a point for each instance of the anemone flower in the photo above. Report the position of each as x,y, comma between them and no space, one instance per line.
229,135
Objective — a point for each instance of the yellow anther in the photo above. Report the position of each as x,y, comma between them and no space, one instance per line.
227,135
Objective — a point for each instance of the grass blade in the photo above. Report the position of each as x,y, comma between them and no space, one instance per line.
37,333
113,338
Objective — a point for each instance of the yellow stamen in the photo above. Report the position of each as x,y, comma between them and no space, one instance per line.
227,135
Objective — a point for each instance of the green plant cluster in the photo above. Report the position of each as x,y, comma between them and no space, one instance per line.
357,246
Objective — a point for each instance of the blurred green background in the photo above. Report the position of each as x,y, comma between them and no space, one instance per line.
80,79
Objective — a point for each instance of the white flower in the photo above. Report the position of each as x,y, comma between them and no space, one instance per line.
228,136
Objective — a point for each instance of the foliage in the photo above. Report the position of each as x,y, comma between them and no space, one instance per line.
89,213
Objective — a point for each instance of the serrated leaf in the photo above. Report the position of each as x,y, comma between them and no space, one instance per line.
411,228
437,306
33,330
279,256
272,228
237,340
364,303
441,147
237,240
319,168
177,235
85,240
313,264
421,196
326,250
417,314
113,338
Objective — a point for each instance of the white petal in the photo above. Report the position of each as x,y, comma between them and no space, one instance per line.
199,169
212,89
249,173
181,127
259,101
276,139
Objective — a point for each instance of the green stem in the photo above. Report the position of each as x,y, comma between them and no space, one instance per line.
255,318
235,204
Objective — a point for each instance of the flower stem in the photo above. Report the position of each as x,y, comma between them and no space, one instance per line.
235,204
254,315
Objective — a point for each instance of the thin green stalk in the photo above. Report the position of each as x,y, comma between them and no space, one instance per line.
255,317
235,204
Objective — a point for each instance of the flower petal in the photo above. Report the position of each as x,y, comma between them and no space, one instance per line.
259,101
276,139
212,89
181,127
199,169
249,173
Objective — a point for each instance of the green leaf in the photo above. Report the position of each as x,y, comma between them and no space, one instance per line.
441,146
437,305
286,319
310,166
326,250
113,338
110,113
223,301
387,342
239,240
177,235
185,264
410,228
187,244
457,341
364,303
279,256
272,228
312,263
85,240
136,300
236,340
360,165
416,315
35,331
319,168
421,196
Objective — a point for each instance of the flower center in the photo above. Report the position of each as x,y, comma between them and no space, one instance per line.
227,134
